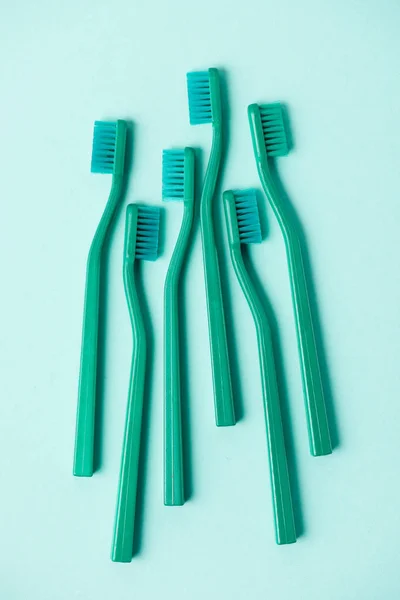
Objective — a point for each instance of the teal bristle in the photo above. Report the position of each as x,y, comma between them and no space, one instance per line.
147,232
248,217
104,144
273,124
173,175
199,94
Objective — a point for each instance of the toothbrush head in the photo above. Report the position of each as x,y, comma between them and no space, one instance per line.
178,174
204,97
108,152
147,232
268,128
242,217
248,217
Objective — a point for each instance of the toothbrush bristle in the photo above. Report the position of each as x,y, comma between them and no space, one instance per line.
273,124
147,232
248,217
104,146
173,175
199,94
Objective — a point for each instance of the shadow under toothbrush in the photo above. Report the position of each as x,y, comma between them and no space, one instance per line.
223,256
103,316
283,393
326,379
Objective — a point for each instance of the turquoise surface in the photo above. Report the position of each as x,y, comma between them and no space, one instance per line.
64,65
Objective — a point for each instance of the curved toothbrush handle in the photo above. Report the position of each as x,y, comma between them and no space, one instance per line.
317,420
285,531
174,492
122,545
223,396
85,420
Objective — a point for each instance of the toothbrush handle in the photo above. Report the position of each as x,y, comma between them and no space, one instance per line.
174,492
122,545
85,420
285,531
224,411
281,496
317,421
223,396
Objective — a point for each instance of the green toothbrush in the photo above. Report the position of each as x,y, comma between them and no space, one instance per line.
177,184
269,138
108,156
243,225
141,243
205,107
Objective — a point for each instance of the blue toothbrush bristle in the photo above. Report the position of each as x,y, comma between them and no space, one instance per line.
275,135
248,217
199,94
104,145
147,232
173,175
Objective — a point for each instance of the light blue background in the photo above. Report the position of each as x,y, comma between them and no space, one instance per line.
336,65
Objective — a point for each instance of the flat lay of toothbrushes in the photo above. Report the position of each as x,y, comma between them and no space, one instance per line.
269,137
